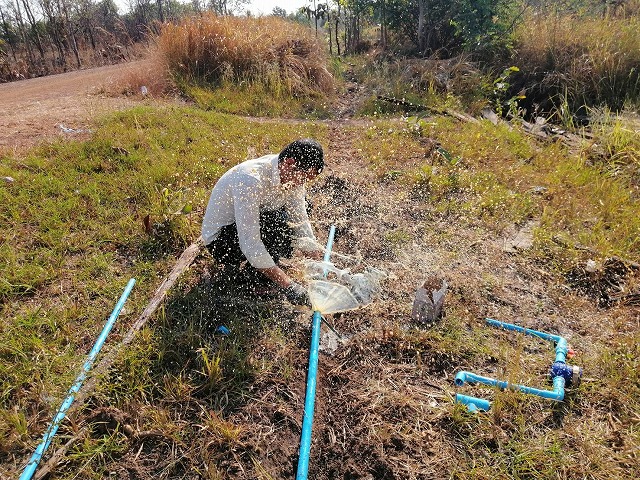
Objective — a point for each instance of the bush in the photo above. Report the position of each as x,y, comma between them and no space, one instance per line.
578,61
284,56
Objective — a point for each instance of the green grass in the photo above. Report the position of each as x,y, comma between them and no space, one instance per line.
499,174
72,234
255,99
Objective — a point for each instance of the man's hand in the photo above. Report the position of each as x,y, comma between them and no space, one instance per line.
315,255
296,294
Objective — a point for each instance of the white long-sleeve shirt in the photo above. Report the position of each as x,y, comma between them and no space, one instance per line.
241,194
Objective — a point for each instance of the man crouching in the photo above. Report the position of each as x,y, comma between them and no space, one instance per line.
257,213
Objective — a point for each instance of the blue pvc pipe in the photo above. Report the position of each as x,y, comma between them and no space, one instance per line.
30,468
310,395
527,331
562,346
560,371
473,404
556,394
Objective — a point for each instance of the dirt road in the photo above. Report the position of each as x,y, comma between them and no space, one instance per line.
35,109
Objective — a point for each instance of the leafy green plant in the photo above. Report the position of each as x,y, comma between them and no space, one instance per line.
505,103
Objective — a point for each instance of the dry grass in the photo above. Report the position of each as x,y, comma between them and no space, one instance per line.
285,56
588,61
149,77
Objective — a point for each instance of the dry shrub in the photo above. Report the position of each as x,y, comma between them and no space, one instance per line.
284,56
150,73
586,61
449,75
424,74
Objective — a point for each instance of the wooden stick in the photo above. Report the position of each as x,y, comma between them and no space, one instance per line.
185,260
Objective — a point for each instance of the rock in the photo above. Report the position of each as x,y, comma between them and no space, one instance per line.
490,115
523,239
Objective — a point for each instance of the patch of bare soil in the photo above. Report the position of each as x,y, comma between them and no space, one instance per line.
61,106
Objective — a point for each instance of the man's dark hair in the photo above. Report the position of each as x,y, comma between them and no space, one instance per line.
306,153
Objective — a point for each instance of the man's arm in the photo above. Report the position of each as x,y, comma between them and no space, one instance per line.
299,220
276,275
247,214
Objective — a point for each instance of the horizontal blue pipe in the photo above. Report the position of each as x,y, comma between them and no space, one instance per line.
527,331
556,394
473,404
562,346
30,468
310,395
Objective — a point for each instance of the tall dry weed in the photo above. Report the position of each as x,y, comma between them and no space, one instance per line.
284,56
147,77
587,61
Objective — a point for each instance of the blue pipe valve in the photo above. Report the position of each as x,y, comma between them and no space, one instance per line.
572,374
561,373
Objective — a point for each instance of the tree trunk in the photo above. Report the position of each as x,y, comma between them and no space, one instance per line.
55,32
337,18
23,34
383,25
315,16
422,34
330,33
71,32
160,11
34,27
5,27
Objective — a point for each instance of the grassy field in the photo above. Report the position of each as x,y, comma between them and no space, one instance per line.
204,406
413,196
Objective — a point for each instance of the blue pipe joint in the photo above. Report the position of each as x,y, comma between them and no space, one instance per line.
460,378
474,404
572,374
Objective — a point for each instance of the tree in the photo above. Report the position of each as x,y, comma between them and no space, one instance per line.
446,27
279,12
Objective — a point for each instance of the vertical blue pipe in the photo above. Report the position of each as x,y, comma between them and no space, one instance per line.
30,468
310,395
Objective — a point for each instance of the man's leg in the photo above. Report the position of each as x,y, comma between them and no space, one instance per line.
226,247
276,234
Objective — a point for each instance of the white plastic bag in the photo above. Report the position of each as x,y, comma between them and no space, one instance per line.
333,290
329,297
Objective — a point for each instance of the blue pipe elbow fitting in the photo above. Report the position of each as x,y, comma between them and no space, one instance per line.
473,404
